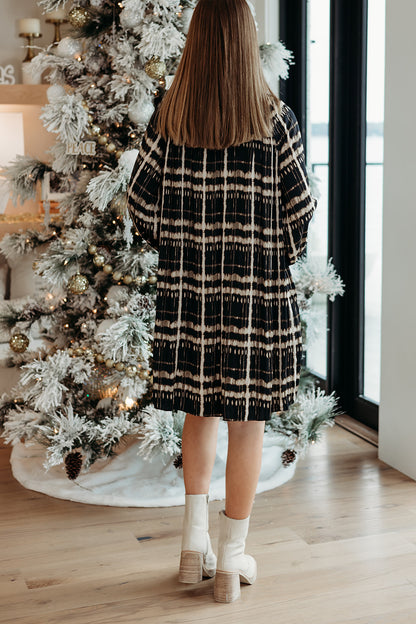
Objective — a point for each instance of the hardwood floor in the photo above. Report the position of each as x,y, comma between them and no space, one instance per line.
335,545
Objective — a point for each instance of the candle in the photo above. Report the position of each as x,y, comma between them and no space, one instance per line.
29,26
58,14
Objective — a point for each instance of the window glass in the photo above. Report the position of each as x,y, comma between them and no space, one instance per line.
318,57
374,197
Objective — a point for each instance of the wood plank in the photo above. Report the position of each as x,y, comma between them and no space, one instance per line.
335,545
34,95
353,425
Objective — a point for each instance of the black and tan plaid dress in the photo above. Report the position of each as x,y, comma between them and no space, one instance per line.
227,224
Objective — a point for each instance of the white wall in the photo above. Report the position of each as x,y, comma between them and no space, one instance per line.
11,51
12,10
267,12
397,435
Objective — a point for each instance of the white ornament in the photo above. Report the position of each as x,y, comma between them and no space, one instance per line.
54,93
186,19
104,325
141,112
129,18
68,47
7,75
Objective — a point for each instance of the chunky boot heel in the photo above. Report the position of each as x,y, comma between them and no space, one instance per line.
233,565
197,557
227,586
190,567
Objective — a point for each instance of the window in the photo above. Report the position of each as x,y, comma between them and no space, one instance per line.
374,197
336,91
318,30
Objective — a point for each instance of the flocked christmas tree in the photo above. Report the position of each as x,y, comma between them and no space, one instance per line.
90,386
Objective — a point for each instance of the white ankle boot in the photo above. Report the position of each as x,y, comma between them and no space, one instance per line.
233,566
197,556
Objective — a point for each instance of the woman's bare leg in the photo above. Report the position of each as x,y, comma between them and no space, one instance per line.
245,447
199,448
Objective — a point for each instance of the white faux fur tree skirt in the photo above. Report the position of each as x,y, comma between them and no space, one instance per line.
128,480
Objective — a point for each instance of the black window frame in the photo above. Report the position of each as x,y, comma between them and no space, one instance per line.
347,184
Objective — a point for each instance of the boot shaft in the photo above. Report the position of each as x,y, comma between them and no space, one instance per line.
195,522
231,541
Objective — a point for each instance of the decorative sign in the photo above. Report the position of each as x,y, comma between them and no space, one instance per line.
85,148
7,76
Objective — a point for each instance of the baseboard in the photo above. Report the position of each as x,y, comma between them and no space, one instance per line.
362,431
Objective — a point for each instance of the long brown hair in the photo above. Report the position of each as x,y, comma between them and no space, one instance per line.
219,96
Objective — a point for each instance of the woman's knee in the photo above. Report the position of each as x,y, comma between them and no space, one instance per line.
245,428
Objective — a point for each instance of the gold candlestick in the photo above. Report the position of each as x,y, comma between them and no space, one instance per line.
57,23
29,36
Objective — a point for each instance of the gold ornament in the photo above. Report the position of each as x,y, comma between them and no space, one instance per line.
111,148
119,366
78,284
100,358
79,17
19,343
117,276
92,249
127,279
102,139
140,280
98,260
131,371
144,374
152,279
109,363
107,268
118,154
95,130
155,68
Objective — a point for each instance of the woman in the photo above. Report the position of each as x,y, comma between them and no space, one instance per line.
220,189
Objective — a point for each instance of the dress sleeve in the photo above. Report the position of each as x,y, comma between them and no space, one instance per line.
145,186
297,203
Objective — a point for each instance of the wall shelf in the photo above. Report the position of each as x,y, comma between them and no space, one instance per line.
34,95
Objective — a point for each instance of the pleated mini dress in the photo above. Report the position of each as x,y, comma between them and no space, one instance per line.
227,225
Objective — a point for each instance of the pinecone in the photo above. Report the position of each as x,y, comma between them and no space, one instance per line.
73,464
288,457
177,462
